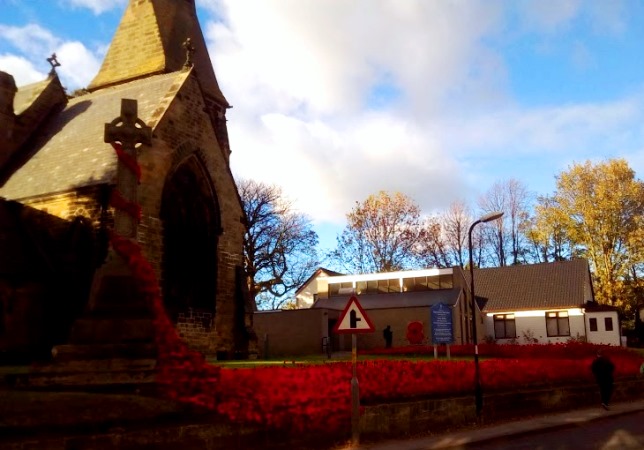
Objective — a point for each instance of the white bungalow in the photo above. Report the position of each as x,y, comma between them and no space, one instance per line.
544,303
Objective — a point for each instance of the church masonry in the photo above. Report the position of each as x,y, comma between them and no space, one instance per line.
54,162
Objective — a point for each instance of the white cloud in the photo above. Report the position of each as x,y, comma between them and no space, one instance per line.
30,39
549,15
21,69
327,167
324,57
608,17
98,6
545,131
78,64
300,76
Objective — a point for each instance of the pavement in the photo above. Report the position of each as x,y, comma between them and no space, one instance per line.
489,433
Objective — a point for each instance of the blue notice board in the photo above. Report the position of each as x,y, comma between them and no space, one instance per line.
442,328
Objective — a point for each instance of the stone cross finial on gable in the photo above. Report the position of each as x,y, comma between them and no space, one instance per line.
54,63
190,50
129,131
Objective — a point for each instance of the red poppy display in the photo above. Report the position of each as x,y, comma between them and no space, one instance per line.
415,334
317,397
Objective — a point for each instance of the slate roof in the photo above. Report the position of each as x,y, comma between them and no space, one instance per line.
68,150
316,274
561,284
27,94
391,300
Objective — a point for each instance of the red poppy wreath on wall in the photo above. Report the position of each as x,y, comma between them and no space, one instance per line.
415,334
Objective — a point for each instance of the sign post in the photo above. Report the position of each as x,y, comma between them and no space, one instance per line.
442,327
353,320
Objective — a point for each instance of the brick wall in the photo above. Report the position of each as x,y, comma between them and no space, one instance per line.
185,131
299,332
423,416
296,332
150,236
194,328
67,205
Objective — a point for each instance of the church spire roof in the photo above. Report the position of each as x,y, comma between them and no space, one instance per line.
151,39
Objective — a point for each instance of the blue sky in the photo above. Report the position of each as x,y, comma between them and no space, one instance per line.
334,100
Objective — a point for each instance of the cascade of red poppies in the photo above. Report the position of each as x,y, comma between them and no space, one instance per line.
182,373
317,397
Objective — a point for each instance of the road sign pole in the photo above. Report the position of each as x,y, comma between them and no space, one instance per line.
353,319
355,394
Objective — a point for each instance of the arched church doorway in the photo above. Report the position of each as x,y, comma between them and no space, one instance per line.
191,225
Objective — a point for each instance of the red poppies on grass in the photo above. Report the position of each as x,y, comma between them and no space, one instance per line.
317,397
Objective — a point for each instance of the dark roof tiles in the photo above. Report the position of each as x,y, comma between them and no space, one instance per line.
69,152
560,284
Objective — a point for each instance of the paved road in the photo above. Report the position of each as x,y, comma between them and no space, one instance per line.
624,432
589,428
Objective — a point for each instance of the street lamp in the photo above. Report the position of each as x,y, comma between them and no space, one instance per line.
478,391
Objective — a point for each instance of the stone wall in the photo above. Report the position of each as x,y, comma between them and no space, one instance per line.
184,132
131,422
436,415
83,202
194,328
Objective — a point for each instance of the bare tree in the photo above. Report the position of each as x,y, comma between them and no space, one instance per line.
455,223
518,203
434,250
505,237
279,244
383,234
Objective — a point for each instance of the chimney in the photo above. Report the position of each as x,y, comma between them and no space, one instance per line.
7,117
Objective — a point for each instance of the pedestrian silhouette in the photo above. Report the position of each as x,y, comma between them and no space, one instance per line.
388,335
603,368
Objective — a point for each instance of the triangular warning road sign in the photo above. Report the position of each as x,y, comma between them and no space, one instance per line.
353,319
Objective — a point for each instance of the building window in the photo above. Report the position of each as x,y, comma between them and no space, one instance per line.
387,286
504,326
433,282
428,283
608,322
343,288
557,323
409,284
593,324
447,281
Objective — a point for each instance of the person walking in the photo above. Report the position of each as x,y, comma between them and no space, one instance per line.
388,335
603,368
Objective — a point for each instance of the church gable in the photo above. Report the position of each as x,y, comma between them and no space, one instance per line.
183,134
152,38
190,228
23,110
69,151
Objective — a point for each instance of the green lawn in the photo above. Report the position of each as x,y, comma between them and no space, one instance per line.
321,359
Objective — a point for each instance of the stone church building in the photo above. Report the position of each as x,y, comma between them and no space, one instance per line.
57,175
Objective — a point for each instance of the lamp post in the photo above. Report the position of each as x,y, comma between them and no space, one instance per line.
478,391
